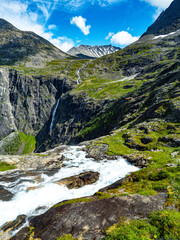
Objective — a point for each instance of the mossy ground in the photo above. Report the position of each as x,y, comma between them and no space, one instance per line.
156,176
65,237
163,224
19,144
60,68
5,166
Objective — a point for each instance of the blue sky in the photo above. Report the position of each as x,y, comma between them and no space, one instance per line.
71,23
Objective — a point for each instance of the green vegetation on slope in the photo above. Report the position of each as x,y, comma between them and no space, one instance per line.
18,143
59,67
163,224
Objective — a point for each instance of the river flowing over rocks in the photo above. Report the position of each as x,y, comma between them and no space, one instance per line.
33,192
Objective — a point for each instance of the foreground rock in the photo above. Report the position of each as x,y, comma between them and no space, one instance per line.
88,220
9,227
80,180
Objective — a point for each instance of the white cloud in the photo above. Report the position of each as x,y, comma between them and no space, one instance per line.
80,22
122,38
64,43
52,26
109,35
162,4
74,4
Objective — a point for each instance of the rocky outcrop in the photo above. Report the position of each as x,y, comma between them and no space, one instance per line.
170,142
52,159
27,102
73,112
80,180
32,100
12,226
88,220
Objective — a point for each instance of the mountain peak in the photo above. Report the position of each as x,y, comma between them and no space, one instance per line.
167,22
87,51
5,25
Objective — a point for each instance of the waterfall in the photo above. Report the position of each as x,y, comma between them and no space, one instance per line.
53,115
55,109
78,72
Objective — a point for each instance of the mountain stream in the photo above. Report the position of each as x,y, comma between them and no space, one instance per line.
33,194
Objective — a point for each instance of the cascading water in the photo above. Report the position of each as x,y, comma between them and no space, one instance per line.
53,115
55,109
33,195
78,72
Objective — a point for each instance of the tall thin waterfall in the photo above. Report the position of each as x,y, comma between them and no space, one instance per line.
55,109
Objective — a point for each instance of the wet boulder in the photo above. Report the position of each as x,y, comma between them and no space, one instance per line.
80,180
5,195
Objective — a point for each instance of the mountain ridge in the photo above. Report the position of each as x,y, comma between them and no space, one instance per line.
167,22
87,51
18,46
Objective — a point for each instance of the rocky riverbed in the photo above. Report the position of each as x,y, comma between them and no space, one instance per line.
51,177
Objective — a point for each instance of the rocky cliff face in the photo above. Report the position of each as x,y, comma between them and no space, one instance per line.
6,115
86,51
167,22
26,102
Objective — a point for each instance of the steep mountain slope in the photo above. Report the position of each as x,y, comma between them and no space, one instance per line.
168,21
85,51
17,46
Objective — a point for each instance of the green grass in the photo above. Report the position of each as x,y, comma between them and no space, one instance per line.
19,143
53,68
29,141
100,88
5,166
156,177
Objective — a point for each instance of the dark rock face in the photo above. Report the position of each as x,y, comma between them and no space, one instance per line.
88,220
5,195
146,140
6,116
73,112
27,101
80,180
170,142
168,21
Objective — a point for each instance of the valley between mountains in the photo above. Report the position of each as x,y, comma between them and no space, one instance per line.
92,145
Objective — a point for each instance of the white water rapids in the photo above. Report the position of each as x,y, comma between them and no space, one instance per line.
47,193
